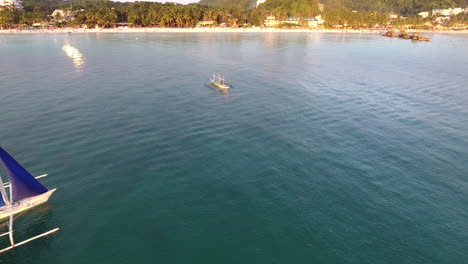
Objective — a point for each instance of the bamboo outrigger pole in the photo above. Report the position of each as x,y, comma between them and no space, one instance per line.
29,240
7,184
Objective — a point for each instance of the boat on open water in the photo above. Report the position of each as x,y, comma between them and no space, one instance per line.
219,82
25,192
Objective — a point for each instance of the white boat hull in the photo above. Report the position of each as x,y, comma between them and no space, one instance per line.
25,204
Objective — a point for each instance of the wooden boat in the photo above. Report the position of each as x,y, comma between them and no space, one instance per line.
25,192
218,82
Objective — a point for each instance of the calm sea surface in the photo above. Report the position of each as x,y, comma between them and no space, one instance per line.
329,148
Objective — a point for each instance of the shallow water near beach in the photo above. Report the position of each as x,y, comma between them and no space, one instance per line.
329,148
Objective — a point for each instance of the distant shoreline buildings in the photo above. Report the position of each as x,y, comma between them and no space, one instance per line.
443,15
183,16
444,12
311,22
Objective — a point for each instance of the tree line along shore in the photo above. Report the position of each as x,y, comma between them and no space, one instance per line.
109,14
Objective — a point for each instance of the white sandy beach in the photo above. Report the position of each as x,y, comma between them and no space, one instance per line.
202,30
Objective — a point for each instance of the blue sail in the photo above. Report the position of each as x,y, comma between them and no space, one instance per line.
23,183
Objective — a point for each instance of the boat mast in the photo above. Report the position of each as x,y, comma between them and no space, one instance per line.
10,229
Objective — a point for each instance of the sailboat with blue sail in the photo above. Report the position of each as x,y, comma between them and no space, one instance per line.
25,192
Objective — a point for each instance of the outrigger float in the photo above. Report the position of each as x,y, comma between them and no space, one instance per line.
25,193
218,82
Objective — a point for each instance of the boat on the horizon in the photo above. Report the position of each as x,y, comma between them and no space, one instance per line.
219,82
25,192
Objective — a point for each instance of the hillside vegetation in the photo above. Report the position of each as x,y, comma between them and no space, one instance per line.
244,4
404,7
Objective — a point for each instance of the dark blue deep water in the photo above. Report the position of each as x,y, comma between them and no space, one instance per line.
329,148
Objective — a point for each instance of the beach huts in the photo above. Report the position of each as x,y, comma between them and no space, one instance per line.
39,25
206,22
423,14
442,19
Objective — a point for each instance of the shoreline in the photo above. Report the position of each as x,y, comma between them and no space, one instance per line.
207,30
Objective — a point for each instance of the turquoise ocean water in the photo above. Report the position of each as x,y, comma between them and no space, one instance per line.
329,148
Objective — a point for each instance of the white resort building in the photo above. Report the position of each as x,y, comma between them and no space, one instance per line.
260,2
449,11
18,4
305,21
271,21
61,15
312,22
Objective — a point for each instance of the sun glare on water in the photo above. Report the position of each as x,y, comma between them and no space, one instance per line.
74,54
